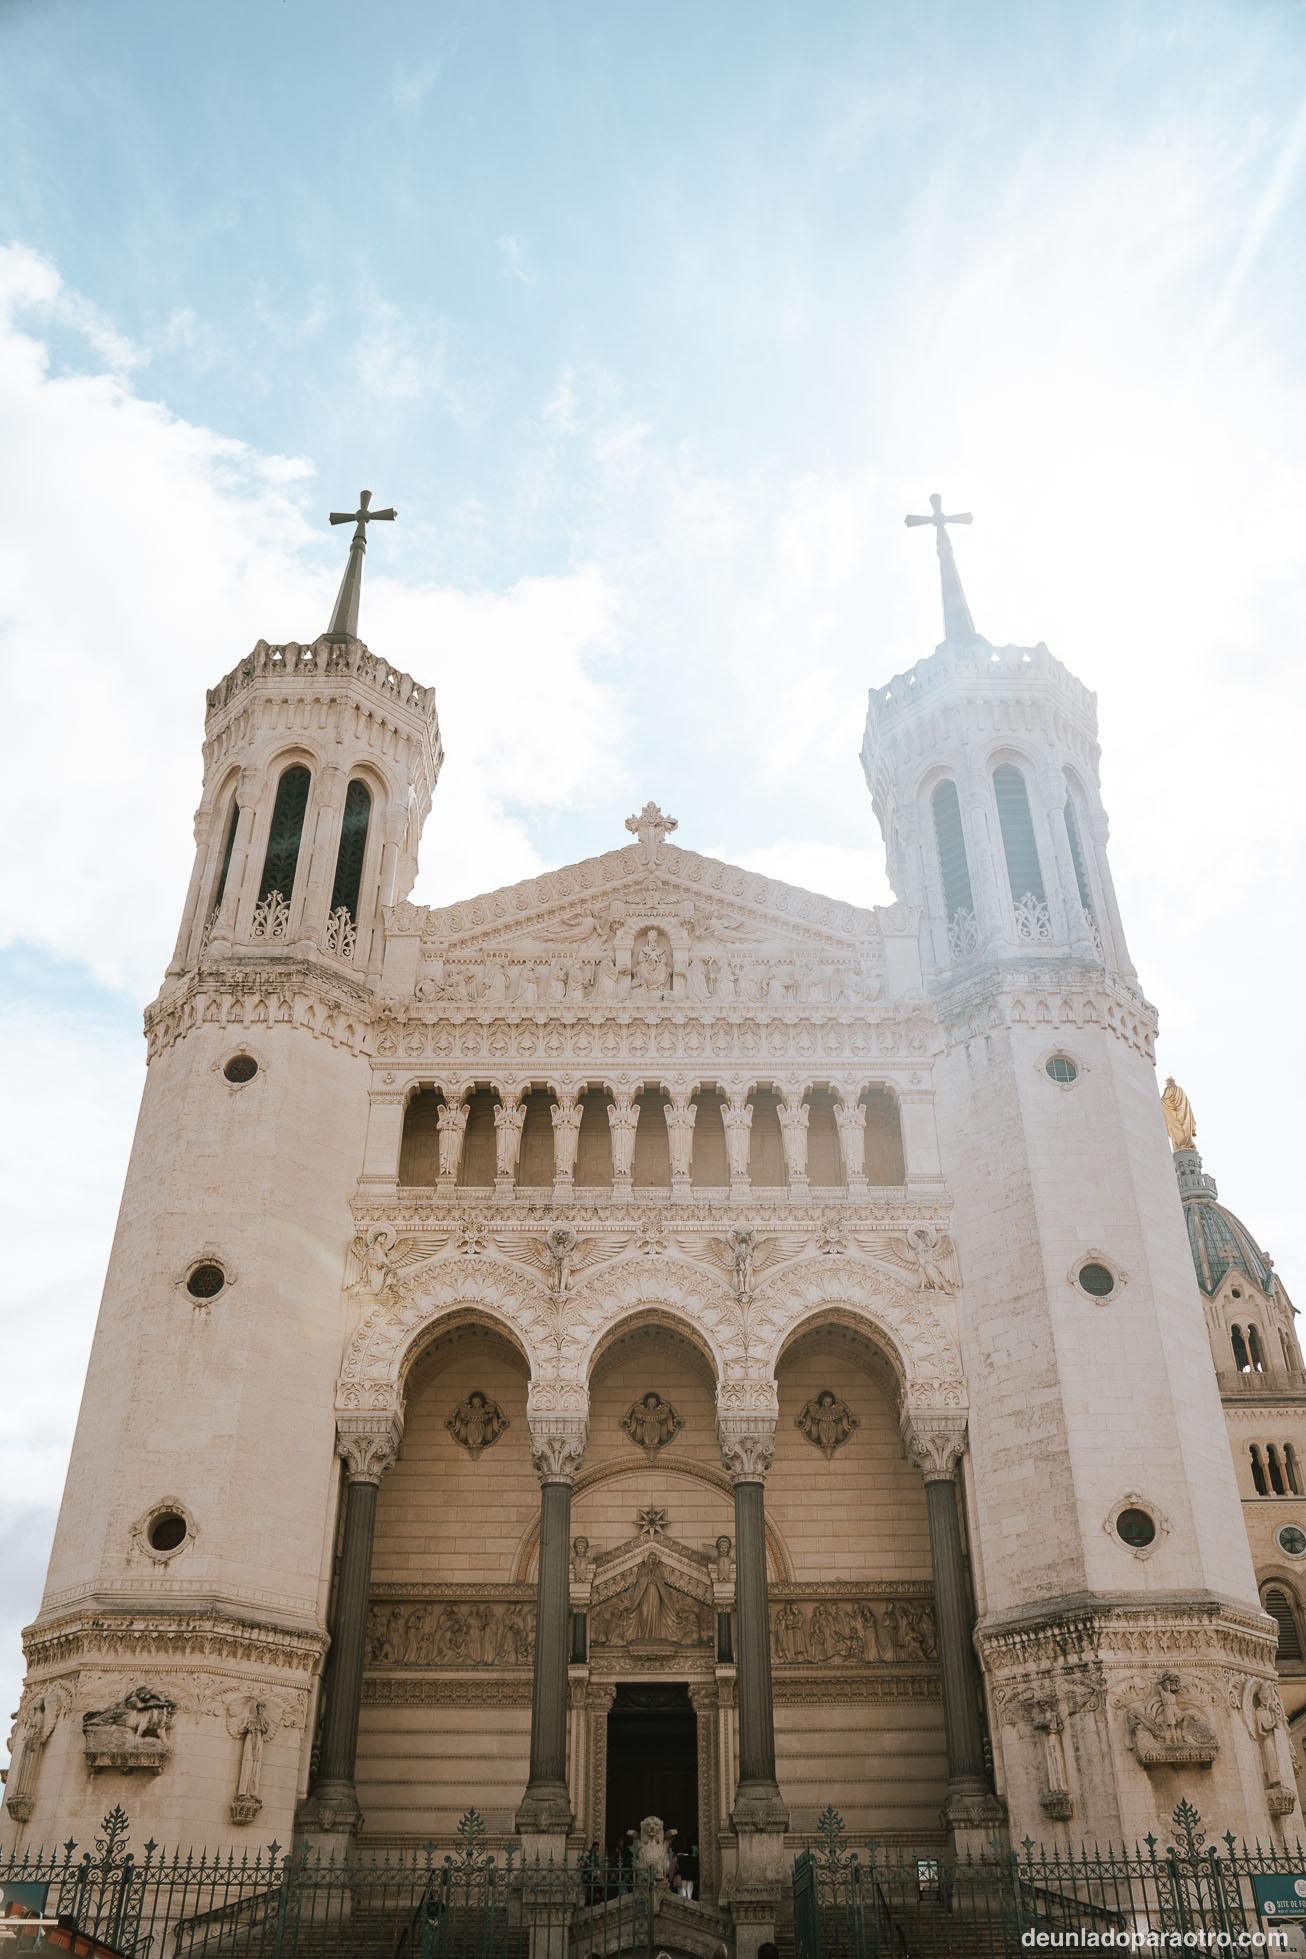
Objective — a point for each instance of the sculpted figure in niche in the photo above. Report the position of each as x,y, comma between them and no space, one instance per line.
650,968
255,1725
651,1423
742,1244
827,1422
653,1614
372,1249
723,1564
477,1423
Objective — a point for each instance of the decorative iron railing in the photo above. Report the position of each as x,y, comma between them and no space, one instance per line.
478,1903
905,1904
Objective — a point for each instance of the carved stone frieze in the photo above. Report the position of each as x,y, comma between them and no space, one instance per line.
857,1630
465,1632
160,1637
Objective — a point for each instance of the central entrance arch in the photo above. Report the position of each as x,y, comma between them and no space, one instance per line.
652,1762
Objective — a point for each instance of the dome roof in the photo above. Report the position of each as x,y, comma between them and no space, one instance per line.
1218,1240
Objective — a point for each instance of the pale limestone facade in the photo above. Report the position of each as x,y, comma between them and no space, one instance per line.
652,1291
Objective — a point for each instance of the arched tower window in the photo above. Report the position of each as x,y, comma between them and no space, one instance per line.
958,900
1259,1478
1277,1483
287,830
1239,1346
227,849
1017,828
353,843
1077,857
1280,1608
1254,1349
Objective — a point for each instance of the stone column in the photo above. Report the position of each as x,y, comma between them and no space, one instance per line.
737,1117
451,1125
935,1440
509,1120
623,1121
544,1813
850,1118
747,1437
681,1116
330,1816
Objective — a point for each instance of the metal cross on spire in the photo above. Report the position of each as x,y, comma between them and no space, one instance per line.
344,620
957,622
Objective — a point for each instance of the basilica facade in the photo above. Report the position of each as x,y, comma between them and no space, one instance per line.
654,1340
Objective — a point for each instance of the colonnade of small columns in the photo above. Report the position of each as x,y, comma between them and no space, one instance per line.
627,1137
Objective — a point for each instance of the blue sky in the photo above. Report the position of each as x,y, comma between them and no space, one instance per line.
653,321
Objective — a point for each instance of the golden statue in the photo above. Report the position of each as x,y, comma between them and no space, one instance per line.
1180,1122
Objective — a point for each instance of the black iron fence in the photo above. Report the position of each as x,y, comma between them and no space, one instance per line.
892,1903
275,1904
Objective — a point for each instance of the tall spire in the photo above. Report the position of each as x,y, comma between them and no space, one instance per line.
344,620
957,622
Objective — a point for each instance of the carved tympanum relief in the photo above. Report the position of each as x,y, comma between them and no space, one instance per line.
477,1423
651,1422
651,1610
827,1421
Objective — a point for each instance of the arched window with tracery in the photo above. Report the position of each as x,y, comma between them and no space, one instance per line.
284,838
353,845
1024,873
954,869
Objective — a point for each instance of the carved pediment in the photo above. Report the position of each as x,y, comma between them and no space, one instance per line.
618,926
651,1594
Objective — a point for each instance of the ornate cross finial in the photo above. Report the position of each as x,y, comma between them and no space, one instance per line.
344,620
651,827
957,622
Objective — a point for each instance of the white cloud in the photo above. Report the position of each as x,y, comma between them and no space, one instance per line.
140,558
514,266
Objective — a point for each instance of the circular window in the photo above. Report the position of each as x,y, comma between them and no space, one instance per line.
241,1068
1135,1528
1060,1068
1098,1280
167,1531
1291,1539
206,1281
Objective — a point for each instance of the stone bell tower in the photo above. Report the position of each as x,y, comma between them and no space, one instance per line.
1105,1529
182,1622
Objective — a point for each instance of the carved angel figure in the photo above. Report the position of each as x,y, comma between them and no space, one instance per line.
582,1564
826,1421
372,1249
723,1564
476,1423
651,1423
561,1243
1180,1122
742,1244
929,1247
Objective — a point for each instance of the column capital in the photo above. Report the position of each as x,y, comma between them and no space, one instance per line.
935,1440
368,1444
745,1426
557,1444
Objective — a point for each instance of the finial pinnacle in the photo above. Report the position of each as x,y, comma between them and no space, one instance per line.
344,620
957,622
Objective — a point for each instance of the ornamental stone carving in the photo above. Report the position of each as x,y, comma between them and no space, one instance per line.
856,1631
566,1113
252,1722
372,1250
477,1423
474,1632
1167,1727
561,1244
368,1445
651,1423
1262,1710
509,1120
747,1438
826,1421
451,1126
935,1440
130,1735
558,1445
651,1611
35,1724
930,1247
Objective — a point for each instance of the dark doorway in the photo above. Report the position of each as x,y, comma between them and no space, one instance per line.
652,1763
